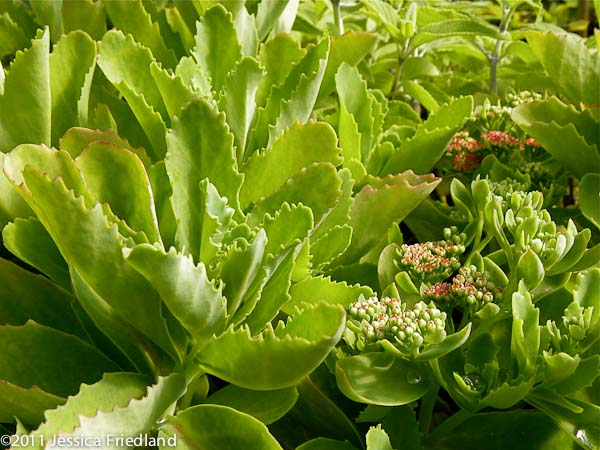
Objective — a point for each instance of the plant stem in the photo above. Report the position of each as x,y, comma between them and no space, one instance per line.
337,16
494,58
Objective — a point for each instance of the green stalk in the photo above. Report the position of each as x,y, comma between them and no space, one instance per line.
426,409
494,58
337,16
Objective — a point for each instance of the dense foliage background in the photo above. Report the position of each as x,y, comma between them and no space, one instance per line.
294,224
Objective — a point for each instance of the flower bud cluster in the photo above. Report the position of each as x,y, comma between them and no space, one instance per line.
469,289
408,330
519,98
432,261
576,327
497,138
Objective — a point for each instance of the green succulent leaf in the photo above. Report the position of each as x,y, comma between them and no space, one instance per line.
217,48
557,126
380,203
421,152
25,405
117,176
136,417
30,242
12,37
72,65
525,341
185,288
202,427
113,390
377,439
298,147
317,289
381,379
279,357
59,362
572,67
99,261
133,19
26,296
27,94
326,444
266,406
199,146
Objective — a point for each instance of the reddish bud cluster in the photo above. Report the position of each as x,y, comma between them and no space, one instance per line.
499,139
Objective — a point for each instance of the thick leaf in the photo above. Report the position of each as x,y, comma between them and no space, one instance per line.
557,126
238,100
72,64
98,260
132,18
85,15
27,95
381,379
200,146
12,205
113,390
26,405
137,417
421,152
329,247
525,331
279,357
202,427
126,64
266,406
26,296
317,289
49,13
379,204
30,242
502,430
451,343
117,176
350,48
316,186
572,67
35,355
173,89
286,157
267,14
243,276
356,114
217,48
12,37
451,28
193,299
377,439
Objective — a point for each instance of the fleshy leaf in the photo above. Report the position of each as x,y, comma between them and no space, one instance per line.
379,204
238,100
572,67
296,148
377,439
266,406
200,146
381,379
59,362
72,64
279,357
421,152
30,242
99,261
317,289
26,405
27,95
193,299
132,18
217,48
202,427
117,176
589,197
26,296
139,416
